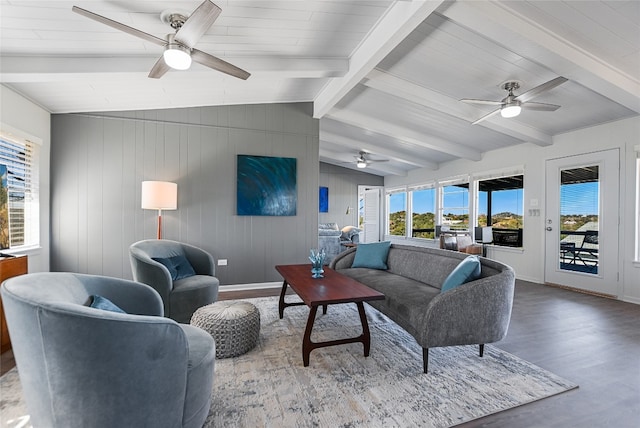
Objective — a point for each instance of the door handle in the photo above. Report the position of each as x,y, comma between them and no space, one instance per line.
549,228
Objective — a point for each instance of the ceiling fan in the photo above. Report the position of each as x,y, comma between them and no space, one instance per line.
362,161
511,105
179,48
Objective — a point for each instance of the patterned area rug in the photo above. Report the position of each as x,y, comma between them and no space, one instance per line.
269,387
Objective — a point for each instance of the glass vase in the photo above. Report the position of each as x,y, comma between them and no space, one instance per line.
317,272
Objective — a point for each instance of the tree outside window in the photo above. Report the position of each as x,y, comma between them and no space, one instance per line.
397,221
455,206
423,214
500,205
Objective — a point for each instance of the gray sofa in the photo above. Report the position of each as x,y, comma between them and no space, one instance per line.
474,313
86,367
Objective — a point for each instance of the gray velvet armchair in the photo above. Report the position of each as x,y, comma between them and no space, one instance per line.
86,367
182,293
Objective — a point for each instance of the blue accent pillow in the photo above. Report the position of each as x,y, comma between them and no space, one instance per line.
99,302
467,270
179,267
372,256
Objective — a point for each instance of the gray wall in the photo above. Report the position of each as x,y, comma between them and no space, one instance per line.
343,192
98,162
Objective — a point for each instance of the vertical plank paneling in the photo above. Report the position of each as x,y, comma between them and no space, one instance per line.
99,163
112,200
343,192
129,191
94,202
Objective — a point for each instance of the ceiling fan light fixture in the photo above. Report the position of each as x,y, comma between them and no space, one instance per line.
510,110
361,164
177,57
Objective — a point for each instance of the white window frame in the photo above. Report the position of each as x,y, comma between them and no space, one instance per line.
441,184
32,148
489,175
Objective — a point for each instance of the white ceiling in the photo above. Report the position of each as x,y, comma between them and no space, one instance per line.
385,77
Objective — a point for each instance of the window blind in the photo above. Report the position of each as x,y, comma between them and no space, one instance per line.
22,181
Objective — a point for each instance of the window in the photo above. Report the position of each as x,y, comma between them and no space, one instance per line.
455,205
397,219
500,205
19,205
423,215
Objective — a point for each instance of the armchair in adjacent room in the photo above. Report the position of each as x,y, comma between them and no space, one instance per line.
184,275
350,235
82,366
329,240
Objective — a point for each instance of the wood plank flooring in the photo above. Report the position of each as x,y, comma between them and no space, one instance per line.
590,340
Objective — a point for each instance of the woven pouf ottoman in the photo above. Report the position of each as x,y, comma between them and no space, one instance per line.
234,325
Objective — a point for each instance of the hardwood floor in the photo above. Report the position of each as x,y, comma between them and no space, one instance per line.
589,340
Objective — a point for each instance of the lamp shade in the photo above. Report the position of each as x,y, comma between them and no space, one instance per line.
159,195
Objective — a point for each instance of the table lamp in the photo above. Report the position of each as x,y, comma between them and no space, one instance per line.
159,195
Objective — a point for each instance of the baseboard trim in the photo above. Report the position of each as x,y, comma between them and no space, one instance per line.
579,290
254,286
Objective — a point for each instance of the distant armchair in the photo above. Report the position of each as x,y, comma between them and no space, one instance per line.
184,275
329,240
459,242
86,367
350,235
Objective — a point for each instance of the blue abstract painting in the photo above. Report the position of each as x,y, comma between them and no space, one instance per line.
266,186
324,199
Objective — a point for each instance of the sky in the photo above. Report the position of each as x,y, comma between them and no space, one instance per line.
502,201
579,199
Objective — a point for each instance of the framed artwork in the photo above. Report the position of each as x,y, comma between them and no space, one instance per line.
324,199
266,186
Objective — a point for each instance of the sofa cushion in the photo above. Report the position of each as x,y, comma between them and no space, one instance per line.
372,256
467,270
329,226
328,232
99,302
405,299
178,266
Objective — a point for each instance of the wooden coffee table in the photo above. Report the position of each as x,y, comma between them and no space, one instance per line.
334,288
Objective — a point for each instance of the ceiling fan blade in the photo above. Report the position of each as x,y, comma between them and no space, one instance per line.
159,69
484,102
532,93
218,64
486,116
118,26
540,106
376,160
197,24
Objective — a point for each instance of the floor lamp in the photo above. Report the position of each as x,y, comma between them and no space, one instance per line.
159,195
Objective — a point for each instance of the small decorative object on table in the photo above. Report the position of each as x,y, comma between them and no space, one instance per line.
317,261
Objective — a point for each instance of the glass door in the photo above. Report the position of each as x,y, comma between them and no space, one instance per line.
582,222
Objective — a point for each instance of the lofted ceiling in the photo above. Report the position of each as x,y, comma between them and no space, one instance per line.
385,77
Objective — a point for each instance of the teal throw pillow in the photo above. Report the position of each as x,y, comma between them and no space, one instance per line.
99,302
372,256
178,266
467,270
